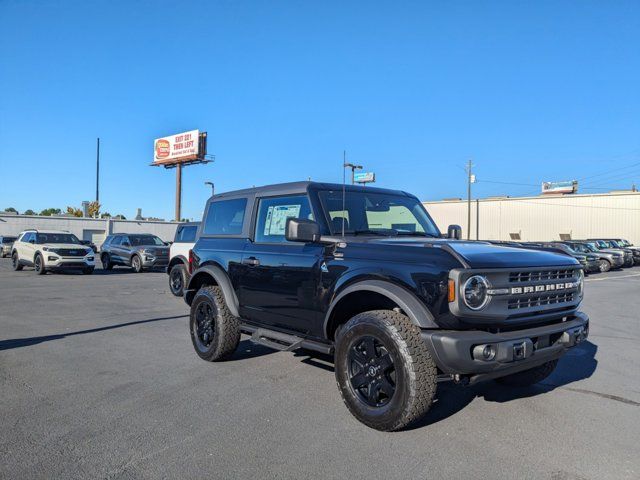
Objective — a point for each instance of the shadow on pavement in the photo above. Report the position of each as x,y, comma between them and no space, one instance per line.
577,364
29,341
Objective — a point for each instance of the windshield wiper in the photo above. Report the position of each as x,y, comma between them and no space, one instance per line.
384,233
418,234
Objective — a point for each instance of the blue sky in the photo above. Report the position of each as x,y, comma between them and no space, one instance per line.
531,91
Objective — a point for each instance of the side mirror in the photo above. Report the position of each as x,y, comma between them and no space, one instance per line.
301,230
32,241
454,232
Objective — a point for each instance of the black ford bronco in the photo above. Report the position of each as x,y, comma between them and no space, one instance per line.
364,274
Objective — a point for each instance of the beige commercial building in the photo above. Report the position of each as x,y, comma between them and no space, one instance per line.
545,217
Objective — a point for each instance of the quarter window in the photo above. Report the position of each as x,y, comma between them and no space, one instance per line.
225,217
273,214
186,234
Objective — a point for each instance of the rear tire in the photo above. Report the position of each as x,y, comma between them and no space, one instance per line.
38,265
106,262
384,372
15,262
215,332
177,279
529,377
136,263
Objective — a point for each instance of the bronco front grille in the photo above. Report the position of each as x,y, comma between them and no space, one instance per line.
540,275
540,300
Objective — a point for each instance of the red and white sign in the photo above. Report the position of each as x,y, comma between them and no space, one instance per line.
174,148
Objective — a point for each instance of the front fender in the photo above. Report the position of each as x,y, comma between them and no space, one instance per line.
410,304
212,275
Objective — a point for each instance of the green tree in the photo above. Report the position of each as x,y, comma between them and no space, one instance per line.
105,215
47,212
29,212
120,217
11,209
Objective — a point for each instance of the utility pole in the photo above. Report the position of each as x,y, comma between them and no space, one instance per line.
178,190
212,187
98,172
471,178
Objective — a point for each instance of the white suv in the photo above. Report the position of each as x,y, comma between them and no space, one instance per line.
178,268
51,250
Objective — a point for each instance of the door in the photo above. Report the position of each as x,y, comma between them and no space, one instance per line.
115,249
278,281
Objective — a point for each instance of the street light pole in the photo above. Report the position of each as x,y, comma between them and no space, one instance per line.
212,187
353,170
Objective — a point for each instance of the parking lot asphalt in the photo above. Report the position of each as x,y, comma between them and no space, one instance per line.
99,380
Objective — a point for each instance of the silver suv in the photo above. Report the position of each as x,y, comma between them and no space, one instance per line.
140,251
6,242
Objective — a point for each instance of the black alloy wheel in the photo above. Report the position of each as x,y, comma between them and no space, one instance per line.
38,265
371,371
15,262
204,326
177,280
106,262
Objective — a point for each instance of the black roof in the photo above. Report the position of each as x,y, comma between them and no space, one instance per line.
301,187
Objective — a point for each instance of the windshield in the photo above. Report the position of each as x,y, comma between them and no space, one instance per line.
137,240
614,244
57,238
376,214
578,247
8,239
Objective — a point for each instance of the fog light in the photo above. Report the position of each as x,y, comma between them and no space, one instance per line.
90,259
484,352
52,259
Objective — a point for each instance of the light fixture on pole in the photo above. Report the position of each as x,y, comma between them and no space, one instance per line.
353,168
212,187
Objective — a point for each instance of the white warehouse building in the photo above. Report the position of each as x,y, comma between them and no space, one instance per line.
546,217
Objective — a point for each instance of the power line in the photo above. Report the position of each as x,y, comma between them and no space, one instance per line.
609,171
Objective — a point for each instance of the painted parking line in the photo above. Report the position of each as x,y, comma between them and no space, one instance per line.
611,278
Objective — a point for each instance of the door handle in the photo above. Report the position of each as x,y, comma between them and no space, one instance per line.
253,261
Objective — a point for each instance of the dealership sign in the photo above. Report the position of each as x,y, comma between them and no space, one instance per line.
364,177
176,148
560,187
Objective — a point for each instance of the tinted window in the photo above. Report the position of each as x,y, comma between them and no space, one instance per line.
26,237
225,217
273,214
8,239
116,241
138,240
57,238
186,234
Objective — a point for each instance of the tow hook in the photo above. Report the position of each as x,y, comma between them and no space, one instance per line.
460,379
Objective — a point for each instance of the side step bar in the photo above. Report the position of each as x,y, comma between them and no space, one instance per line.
283,341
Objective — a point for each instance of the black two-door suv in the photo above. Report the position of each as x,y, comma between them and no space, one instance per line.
140,251
364,273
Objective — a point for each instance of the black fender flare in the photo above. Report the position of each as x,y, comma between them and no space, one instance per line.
174,260
221,278
411,305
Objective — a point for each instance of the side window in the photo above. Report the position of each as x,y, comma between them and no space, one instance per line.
225,217
27,237
116,241
273,214
186,234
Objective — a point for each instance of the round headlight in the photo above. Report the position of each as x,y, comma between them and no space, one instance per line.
474,292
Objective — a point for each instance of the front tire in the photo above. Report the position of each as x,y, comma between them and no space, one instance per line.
529,377
136,263
215,332
384,372
177,279
15,262
604,266
38,265
106,262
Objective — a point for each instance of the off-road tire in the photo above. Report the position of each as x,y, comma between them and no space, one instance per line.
529,377
106,261
136,263
225,328
15,262
87,271
38,264
177,274
604,265
415,369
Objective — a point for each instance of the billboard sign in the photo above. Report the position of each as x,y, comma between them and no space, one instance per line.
560,187
176,148
364,177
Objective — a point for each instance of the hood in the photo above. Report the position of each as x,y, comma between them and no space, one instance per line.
157,248
480,254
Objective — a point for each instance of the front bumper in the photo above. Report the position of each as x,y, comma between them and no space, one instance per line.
56,262
154,261
461,352
6,249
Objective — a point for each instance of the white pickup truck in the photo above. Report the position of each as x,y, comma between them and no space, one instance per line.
178,268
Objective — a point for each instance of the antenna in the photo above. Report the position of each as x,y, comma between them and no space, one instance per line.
344,187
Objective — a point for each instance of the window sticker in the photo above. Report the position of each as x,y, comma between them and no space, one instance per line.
276,220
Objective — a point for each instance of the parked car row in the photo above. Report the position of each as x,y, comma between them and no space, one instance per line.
595,254
53,250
